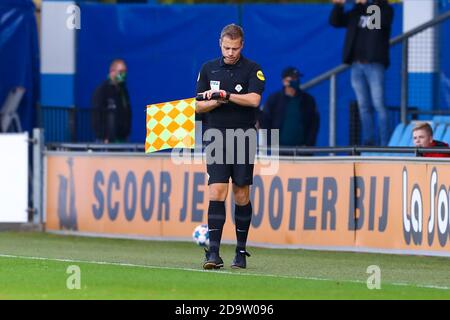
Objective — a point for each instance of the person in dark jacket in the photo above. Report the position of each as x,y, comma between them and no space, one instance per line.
111,110
292,111
366,48
423,138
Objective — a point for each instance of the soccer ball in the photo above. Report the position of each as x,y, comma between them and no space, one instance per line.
201,235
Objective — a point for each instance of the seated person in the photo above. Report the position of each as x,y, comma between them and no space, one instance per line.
423,138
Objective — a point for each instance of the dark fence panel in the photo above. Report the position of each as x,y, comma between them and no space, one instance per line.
66,124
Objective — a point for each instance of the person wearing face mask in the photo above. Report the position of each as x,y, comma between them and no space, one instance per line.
292,111
366,49
111,106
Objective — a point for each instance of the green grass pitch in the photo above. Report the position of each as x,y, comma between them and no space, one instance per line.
34,266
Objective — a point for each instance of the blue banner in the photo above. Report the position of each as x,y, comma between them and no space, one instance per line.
19,56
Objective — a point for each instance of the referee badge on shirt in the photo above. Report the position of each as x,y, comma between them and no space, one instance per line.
260,75
215,85
238,88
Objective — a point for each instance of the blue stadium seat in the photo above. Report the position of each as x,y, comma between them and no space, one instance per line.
393,142
446,136
439,132
396,135
441,119
406,138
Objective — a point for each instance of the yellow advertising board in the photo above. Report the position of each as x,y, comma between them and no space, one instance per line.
404,207
346,205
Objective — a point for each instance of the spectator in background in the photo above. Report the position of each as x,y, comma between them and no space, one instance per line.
366,48
111,112
423,138
292,111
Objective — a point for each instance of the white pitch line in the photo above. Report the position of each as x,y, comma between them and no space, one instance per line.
121,264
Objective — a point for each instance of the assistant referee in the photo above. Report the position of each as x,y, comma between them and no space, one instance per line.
231,87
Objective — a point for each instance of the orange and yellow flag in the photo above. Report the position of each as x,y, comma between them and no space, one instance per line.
170,125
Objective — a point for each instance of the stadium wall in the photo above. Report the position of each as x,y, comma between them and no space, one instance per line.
14,178
329,204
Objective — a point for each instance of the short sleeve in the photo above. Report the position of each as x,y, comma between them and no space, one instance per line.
257,80
202,80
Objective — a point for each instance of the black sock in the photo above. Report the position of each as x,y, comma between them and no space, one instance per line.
243,217
216,220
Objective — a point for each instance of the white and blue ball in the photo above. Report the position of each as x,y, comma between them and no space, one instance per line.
201,235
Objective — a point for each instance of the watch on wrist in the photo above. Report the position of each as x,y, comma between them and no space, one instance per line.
227,96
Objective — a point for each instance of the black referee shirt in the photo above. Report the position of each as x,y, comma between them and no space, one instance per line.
245,76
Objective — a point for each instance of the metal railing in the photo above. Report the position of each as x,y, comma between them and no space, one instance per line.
332,75
283,151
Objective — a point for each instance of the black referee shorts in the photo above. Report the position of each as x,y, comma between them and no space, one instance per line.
240,174
237,165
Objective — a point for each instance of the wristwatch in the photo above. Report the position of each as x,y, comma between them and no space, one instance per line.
227,96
